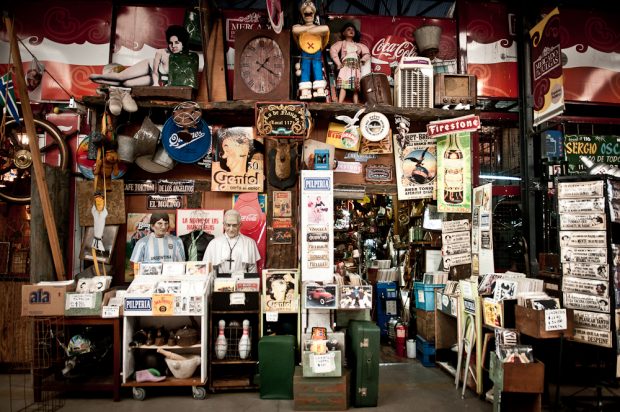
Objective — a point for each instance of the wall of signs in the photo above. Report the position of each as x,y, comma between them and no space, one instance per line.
583,253
317,221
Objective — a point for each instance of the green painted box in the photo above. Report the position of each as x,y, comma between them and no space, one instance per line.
307,364
276,355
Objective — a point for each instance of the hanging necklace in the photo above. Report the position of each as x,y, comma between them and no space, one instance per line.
230,260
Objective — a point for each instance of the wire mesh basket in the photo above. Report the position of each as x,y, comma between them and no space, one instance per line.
233,336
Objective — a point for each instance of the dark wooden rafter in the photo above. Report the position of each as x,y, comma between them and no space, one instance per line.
430,7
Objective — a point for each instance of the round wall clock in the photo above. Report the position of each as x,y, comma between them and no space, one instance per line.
262,60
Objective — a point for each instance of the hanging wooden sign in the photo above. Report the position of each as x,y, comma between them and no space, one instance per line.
281,119
140,187
164,202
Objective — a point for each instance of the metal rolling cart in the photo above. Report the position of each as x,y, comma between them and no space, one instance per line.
141,313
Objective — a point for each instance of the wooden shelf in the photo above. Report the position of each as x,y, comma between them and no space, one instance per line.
233,312
233,373
233,361
169,381
245,108
175,347
233,384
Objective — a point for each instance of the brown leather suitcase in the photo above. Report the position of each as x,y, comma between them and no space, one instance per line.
376,89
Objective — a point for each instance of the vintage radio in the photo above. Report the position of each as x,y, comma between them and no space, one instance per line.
455,89
413,82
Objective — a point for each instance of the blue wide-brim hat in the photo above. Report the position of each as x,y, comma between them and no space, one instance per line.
186,145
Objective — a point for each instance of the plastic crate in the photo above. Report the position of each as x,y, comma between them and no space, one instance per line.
425,352
425,295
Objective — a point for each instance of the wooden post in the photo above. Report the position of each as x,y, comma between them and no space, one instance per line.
37,165
203,88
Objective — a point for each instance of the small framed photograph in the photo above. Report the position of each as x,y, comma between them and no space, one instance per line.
108,239
320,296
173,268
150,269
356,297
196,268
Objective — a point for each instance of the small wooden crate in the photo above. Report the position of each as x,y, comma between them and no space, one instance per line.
531,322
321,394
425,324
518,386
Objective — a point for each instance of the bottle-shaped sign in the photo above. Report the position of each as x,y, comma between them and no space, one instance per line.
453,172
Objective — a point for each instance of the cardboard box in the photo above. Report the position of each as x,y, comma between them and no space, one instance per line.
425,324
87,304
46,299
531,322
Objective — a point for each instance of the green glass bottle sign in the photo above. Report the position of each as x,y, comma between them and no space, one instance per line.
453,167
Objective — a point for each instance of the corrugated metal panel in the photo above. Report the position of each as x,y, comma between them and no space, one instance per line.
391,7
427,8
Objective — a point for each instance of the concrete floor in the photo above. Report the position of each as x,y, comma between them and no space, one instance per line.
402,387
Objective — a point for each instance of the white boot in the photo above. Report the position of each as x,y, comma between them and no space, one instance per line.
129,104
115,103
305,90
319,88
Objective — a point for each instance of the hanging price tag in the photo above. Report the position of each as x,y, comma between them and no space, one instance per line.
110,312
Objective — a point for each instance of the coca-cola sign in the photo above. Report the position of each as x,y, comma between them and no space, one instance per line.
390,49
389,39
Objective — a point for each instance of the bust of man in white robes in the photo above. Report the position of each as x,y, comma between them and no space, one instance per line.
232,252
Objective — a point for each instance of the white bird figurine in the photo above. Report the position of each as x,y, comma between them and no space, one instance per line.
351,121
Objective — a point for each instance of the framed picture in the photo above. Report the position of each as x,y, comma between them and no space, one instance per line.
432,260
280,290
356,297
109,239
320,296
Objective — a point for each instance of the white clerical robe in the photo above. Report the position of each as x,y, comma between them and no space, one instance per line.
241,249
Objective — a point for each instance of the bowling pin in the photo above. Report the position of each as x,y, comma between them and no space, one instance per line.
221,345
245,345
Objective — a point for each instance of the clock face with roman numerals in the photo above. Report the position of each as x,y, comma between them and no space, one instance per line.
262,64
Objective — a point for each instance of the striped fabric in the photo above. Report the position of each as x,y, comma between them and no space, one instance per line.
7,96
151,249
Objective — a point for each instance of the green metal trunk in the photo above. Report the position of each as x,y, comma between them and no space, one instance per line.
363,342
276,365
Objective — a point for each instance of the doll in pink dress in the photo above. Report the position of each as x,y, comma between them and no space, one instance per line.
349,55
